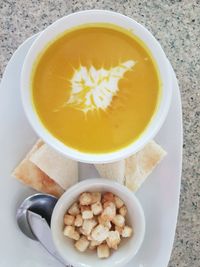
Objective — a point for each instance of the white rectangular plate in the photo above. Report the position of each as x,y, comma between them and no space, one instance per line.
159,195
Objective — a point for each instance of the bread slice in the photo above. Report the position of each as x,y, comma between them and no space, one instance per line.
29,174
141,164
113,171
63,170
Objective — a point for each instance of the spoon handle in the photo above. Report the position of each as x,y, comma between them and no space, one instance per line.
42,231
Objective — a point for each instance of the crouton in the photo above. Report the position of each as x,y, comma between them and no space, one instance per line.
82,244
109,212
78,220
123,211
119,220
88,225
70,232
74,209
100,233
87,214
96,208
85,198
96,197
103,251
118,202
113,239
108,196
69,219
127,231
104,223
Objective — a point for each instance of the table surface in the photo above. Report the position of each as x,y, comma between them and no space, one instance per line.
176,24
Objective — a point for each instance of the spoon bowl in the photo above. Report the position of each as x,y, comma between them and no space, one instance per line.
41,204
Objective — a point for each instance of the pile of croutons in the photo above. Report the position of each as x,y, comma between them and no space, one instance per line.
97,221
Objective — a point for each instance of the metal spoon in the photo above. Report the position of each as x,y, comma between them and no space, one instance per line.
34,217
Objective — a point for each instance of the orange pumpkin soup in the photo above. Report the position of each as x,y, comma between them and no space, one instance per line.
95,88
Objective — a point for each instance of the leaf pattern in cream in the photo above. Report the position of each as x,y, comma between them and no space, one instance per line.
93,89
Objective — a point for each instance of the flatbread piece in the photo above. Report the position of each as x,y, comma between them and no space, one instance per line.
113,171
141,164
29,174
63,170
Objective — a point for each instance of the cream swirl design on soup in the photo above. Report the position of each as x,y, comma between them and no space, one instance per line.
93,89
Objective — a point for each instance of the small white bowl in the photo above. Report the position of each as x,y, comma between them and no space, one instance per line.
87,17
129,246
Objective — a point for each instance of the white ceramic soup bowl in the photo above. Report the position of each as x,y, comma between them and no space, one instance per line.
87,17
128,247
